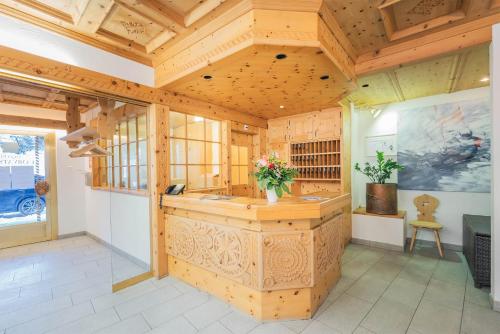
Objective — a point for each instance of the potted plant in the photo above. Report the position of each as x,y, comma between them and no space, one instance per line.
381,197
275,176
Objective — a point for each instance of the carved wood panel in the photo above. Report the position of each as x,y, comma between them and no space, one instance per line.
287,260
229,251
328,245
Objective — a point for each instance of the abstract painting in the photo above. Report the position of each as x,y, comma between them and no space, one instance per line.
445,147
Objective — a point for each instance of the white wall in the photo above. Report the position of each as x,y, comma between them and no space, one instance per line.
495,198
452,204
23,36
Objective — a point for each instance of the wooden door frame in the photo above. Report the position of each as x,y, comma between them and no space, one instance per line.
51,219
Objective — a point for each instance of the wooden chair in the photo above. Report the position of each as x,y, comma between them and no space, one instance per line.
426,206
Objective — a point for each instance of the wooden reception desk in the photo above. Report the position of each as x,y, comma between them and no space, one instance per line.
273,261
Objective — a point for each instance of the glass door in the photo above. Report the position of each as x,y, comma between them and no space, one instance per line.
25,187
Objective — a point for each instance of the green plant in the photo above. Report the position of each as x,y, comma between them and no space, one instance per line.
381,171
274,173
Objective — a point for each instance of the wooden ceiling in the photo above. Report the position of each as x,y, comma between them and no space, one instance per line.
401,49
255,80
451,73
13,92
131,28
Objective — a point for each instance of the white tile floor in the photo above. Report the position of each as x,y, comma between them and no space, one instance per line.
65,287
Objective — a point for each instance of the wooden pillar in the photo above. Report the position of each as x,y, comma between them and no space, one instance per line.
346,170
158,181
72,117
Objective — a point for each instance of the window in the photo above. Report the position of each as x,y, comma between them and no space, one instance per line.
127,165
195,151
239,165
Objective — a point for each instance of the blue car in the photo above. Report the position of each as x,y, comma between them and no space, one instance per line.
24,201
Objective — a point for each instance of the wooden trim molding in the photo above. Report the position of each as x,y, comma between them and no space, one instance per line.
73,78
32,122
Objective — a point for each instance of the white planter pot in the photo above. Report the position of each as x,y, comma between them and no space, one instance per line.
271,195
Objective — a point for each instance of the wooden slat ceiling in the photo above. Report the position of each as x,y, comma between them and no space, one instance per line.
131,28
448,74
254,80
13,92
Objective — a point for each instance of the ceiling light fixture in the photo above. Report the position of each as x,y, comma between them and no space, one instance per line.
280,56
282,107
485,79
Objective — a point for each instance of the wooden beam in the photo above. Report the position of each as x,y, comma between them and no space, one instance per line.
200,10
165,11
94,83
32,122
94,15
1,92
51,97
327,16
457,70
48,10
393,79
72,115
435,44
159,180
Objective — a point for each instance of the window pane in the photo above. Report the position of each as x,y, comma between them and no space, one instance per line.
143,152
213,176
177,151
234,155
117,177
143,177
124,181
133,177
132,149
177,174
132,128
110,157
243,150
116,138
177,122
196,177
195,127
141,127
235,175
212,129
123,132
243,174
116,156
196,152
213,154
124,155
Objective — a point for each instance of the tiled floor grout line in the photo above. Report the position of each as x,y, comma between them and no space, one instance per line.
421,298
371,308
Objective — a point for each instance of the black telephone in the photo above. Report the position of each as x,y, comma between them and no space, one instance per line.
175,189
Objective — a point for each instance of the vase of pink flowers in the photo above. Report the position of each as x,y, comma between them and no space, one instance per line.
275,176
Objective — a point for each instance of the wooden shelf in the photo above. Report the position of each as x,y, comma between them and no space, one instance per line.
83,134
317,160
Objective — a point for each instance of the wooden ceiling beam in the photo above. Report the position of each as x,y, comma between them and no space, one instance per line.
1,92
200,10
51,97
165,11
32,122
94,15
435,44
48,10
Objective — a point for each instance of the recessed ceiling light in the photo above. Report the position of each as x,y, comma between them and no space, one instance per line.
280,56
485,79
207,77
365,86
324,77
281,107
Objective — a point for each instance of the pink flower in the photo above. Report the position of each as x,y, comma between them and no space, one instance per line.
262,162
